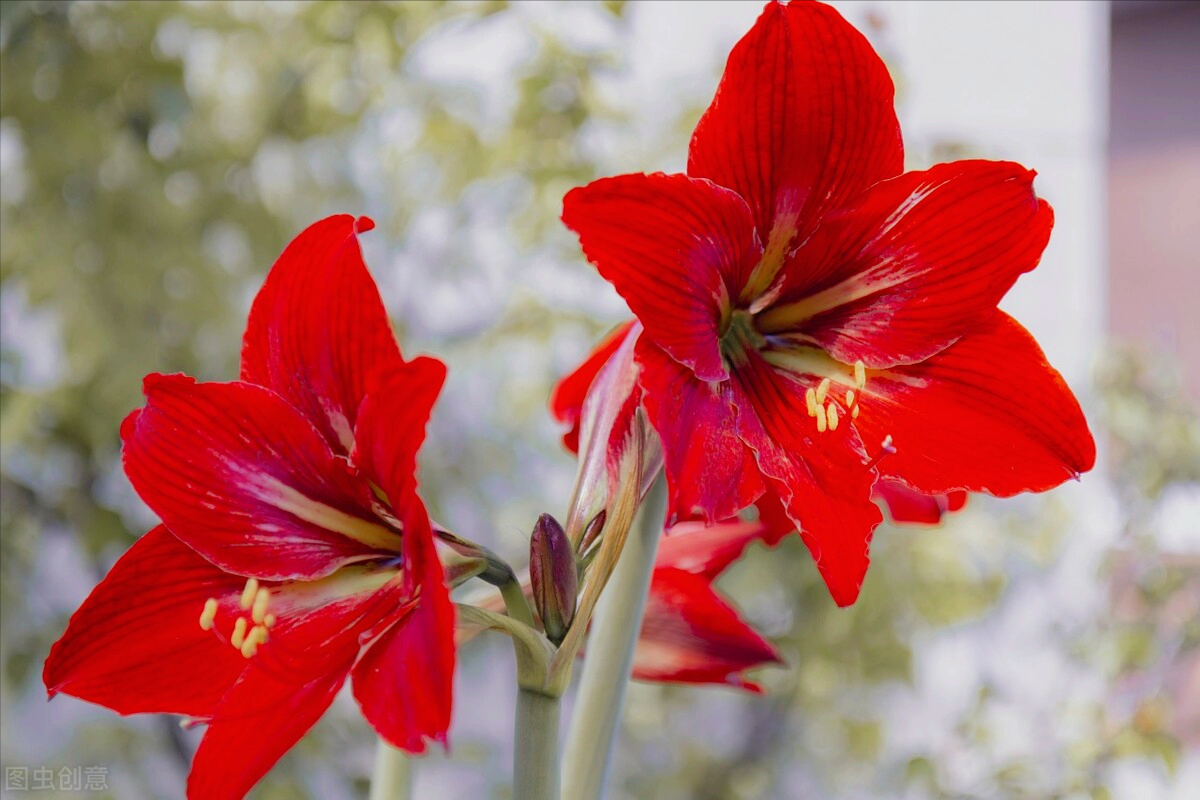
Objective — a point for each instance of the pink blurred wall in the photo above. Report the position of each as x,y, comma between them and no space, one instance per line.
1154,179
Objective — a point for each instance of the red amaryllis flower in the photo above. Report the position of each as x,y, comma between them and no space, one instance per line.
813,318
690,633
294,551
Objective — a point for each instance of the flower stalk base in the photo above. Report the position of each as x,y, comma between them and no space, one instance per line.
391,779
606,668
535,753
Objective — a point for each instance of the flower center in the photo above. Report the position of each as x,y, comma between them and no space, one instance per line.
805,363
740,336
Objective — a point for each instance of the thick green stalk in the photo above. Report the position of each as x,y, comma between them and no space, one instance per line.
606,668
535,755
391,778
515,602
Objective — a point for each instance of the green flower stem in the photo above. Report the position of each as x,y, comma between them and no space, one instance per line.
606,669
391,778
516,603
535,755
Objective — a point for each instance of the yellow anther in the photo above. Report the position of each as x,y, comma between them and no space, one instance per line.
854,412
260,605
821,422
208,615
849,398
239,633
810,397
268,620
860,374
832,414
248,594
887,444
257,636
822,390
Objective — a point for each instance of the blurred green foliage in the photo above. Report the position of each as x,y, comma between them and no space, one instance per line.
157,156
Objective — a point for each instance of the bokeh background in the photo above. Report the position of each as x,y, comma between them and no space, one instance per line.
155,158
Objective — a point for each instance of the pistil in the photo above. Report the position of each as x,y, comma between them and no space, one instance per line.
886,448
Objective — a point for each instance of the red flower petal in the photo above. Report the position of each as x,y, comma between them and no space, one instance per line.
988,414
566,399
135,645
706,550
241,477
802,121
906,505
774,518
391,424
708,467
691,635
293,677
675,248
260,719
821,477
405,680
318,332
266,717
918,262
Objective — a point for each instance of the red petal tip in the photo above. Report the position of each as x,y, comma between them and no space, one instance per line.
157,379
129,423
364,224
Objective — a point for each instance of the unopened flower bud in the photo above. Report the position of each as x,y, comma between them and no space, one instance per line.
554,576
592,531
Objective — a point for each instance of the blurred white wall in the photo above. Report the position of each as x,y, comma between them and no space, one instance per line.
1154,198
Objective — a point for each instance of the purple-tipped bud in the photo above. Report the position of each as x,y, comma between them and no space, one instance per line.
554,576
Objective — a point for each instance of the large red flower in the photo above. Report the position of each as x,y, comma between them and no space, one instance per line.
811,319
294,551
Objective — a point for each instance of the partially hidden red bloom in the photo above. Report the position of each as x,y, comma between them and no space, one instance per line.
906,505
294,551
690,633
812,320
